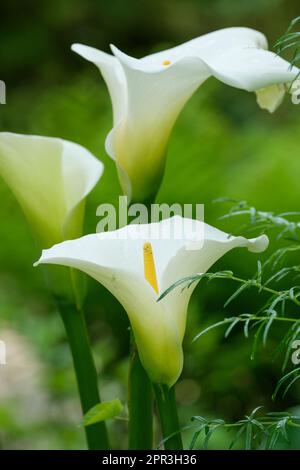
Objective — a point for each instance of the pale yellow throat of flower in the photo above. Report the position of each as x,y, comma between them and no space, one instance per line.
149,266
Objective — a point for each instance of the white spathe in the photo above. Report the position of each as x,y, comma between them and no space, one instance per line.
148,94
50,178
181,248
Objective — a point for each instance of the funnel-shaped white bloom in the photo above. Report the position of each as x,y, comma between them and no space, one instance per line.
148,94
50,178
180,247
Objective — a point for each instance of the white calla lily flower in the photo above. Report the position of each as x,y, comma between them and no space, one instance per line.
50,178
148,94
137,263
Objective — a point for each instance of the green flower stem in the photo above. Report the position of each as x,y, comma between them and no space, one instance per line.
85,370
140,401
140,405
166,403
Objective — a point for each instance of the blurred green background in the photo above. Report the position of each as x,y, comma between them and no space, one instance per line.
222,145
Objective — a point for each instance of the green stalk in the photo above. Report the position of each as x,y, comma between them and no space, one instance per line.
140,405
166,403
85,370
140,402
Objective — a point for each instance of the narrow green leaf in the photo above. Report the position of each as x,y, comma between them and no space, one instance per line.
194,439
284,379
215,325
237,436
243,287
248,438
268,326
102,411
256,339
230,328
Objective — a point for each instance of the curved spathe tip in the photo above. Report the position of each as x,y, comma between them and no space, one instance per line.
259,244
37,263
117,52
126,60
87,52
51,255
92,54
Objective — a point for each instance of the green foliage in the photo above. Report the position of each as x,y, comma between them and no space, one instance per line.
251,432
273,309
222,145
102,412
290,41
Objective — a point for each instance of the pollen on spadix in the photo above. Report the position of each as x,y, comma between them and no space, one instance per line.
166,62
149,266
